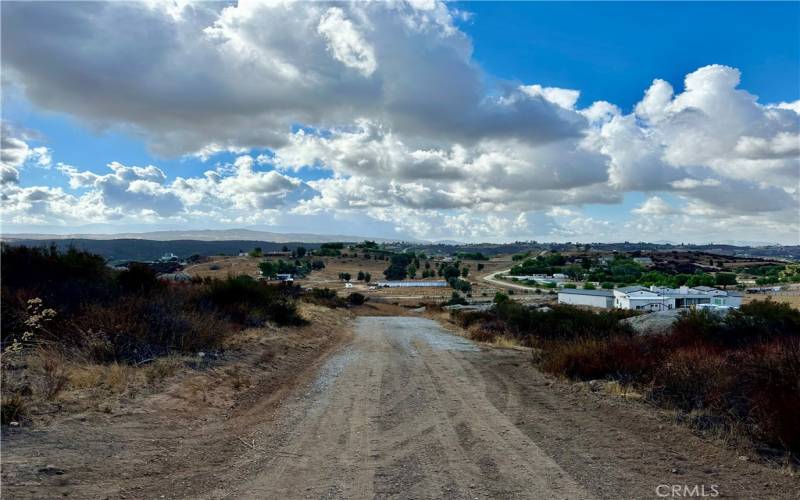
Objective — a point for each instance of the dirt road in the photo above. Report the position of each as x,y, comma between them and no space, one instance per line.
400,409
408,410
492,278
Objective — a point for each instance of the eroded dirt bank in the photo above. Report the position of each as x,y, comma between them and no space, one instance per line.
401,409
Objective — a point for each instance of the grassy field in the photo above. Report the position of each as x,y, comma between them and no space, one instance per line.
222,267
791,298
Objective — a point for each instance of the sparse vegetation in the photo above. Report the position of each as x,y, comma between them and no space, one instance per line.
58,305
741,368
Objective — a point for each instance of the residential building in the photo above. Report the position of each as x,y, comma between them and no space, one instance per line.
592,298
663,298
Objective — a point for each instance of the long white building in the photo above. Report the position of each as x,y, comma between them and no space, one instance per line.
663,298
651,299
593,298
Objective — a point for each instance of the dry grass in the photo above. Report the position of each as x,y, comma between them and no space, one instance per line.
505,343
114,377
119,377
238,378
623,390
792,300
52,366
222,267
162,368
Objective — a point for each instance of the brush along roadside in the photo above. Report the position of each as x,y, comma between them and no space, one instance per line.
740,371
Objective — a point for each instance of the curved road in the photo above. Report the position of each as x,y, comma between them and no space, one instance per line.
491,279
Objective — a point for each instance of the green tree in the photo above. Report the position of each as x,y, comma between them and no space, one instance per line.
412,271
360,276
480,267
300,252
464,272
367,277
701,279
725,279
268,269
398,266
589,286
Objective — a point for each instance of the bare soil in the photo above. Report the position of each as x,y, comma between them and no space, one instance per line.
389,407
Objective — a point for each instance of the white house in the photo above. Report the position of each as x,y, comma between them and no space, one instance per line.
592,298
663,298
641,298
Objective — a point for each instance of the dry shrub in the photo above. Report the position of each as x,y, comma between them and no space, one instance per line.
12,407
771,381
86,376
751,389
54,374
585,358
161,369
136,328
324,297
239,380
481,334
118,377
505,342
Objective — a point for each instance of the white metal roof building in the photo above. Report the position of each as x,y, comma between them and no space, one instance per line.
651,299
411,283
591,298
663,298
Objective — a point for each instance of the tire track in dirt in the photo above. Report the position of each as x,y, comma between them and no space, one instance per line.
407,410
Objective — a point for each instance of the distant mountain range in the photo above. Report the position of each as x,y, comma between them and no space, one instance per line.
205,235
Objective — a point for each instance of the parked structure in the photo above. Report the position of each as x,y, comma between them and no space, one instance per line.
284,277
592,298
410,283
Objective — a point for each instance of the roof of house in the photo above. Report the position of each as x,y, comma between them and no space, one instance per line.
706,288
634,288
579,291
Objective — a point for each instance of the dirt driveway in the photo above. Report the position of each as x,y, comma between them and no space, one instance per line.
408,410
402,409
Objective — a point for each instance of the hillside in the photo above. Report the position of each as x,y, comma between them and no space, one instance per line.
120,250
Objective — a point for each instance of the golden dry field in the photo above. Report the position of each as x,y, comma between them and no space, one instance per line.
482,290
789,297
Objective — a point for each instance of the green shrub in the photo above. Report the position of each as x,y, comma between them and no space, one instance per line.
324,297
356,298
138,278
249,302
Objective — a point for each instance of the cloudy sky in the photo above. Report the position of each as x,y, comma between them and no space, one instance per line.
464,121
